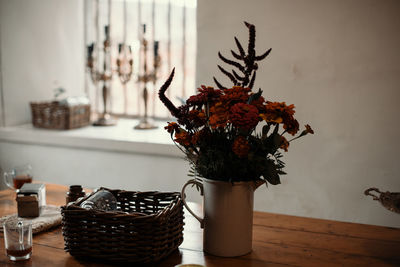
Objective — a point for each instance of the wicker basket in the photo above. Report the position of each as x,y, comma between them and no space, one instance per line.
147,227
52,115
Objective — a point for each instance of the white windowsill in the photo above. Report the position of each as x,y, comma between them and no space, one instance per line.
119,138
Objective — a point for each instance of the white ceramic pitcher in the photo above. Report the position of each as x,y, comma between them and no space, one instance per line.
228,216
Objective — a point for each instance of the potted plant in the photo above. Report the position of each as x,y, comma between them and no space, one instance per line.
233,139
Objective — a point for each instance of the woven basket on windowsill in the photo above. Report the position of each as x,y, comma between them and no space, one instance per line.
147,227
53,115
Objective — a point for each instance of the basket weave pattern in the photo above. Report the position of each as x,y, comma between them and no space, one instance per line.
147,227
52,115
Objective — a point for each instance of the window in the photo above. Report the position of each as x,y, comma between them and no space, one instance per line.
171,23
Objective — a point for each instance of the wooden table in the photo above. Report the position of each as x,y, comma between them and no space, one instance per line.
278,240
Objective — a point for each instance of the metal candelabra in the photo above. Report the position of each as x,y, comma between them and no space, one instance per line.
124,63
146,77
104,75
124,69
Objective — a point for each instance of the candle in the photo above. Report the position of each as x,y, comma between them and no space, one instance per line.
155,49
90,49
125,23
107,31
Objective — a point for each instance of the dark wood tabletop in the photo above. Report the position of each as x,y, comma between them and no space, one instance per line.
278,240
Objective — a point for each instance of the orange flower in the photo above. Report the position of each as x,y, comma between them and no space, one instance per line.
308,129
171,127
244,116
218,115
270,117
284,144
197,117
278,112
241,147
182,137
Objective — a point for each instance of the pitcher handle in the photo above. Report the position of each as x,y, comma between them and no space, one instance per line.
6,176
199,184
368,192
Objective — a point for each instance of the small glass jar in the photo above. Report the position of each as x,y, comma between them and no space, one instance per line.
75,192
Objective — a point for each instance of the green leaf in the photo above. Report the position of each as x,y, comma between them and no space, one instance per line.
254,96
274,180
271,173
273,142
277,140
265,130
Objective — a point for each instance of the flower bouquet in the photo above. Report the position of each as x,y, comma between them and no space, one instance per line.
231,133
233,139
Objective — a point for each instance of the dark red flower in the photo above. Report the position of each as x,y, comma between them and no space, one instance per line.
235,94
244,116
291,125
259,104
206,94
241,147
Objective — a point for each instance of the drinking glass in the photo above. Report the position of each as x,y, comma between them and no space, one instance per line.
18,238
16,177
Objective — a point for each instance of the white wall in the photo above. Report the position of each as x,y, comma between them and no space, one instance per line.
41,48
337,61
94,168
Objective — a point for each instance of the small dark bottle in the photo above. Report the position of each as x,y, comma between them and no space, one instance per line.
75,192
